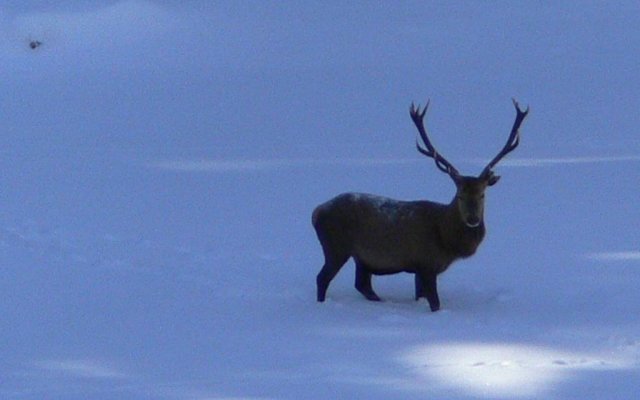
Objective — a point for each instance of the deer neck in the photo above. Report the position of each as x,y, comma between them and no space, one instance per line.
460,239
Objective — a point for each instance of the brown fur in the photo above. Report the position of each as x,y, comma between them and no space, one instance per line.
386,236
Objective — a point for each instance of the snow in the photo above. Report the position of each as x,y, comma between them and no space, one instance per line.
161,160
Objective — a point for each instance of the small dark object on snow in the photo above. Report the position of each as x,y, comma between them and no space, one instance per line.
34,44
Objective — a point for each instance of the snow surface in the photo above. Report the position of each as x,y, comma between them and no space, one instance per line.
161,159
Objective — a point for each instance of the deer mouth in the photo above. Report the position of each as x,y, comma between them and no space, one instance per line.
472,222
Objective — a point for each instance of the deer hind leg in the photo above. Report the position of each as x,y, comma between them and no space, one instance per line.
333,261
363,282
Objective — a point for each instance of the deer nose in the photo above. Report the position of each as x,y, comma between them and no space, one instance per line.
473,221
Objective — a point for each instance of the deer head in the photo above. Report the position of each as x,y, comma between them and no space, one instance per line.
469,189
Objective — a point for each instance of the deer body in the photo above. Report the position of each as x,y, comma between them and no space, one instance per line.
391,236
387,236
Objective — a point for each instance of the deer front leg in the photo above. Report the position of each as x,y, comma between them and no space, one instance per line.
429,288
363,282
419,287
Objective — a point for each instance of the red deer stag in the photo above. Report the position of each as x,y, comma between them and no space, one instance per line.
387,236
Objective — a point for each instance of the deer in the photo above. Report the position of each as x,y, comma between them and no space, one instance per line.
387,236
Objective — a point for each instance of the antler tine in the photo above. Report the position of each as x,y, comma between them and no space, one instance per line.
418,119
512,141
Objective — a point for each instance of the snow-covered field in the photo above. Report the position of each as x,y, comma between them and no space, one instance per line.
160,161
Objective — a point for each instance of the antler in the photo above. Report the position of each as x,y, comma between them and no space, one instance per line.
512,141
418,119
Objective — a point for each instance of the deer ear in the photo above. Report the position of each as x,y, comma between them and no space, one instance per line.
493,179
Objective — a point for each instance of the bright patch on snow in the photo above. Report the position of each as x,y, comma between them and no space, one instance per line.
223,166
547,162
496,370
615,256
80,369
